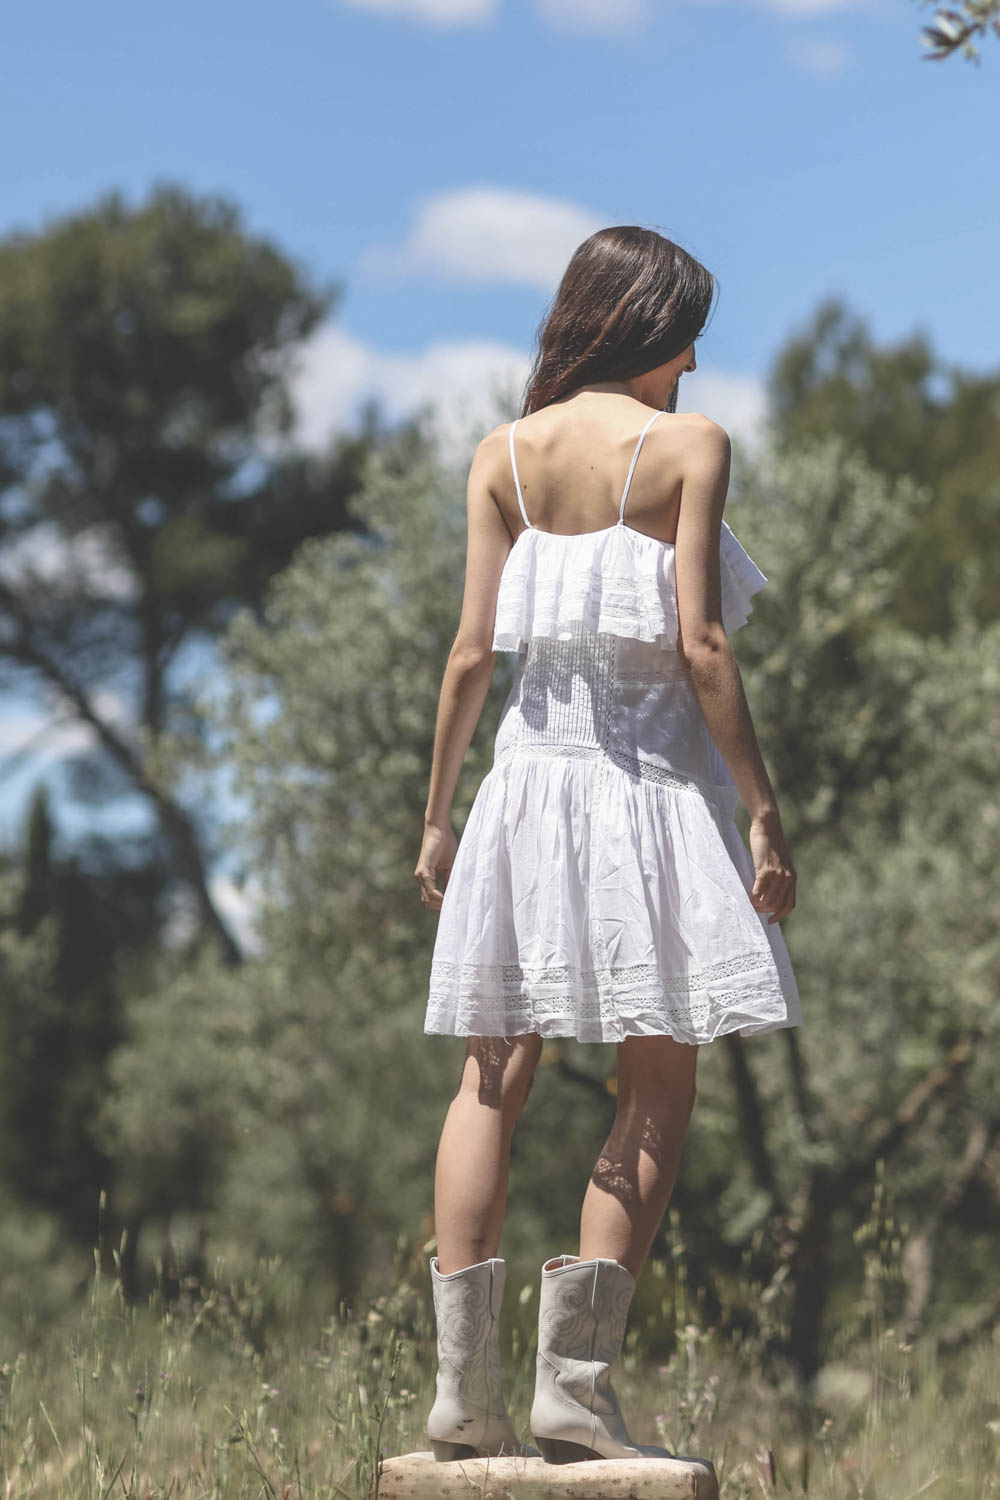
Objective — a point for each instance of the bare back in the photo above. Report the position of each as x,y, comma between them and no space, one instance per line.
573,459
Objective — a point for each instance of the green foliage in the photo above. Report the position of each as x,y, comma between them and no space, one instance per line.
913,417
882,744
287,1104
329,711
241,1099
87,922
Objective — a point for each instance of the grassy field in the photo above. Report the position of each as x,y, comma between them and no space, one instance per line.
230,1392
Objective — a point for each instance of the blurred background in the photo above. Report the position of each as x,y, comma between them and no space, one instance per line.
266,277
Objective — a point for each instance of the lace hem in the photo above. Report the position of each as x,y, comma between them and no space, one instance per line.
509,977
607,1004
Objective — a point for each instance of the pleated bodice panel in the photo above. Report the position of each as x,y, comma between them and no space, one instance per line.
601,695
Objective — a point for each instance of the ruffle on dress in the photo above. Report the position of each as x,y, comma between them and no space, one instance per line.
617,580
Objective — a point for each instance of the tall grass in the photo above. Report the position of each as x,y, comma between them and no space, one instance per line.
229,1391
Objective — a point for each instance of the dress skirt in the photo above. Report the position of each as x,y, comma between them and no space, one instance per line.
600,887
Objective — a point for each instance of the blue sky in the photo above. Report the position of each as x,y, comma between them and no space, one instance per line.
442,159
798,147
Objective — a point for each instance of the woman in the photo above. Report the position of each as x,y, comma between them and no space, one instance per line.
601,889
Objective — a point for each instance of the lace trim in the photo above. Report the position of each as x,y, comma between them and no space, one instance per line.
563,1001
506,976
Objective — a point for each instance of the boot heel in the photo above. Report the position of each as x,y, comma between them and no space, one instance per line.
446,1452
557,1451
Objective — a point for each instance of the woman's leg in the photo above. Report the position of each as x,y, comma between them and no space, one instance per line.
630,1186
473,1160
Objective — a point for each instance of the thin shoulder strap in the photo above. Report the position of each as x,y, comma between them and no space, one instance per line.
513,464
635,459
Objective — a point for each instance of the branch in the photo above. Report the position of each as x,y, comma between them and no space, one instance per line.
968,1327
909,1113
752,1115
918,1257
805,1106
953,31
809,1251
172,816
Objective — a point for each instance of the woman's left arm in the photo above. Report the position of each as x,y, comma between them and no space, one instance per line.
467,674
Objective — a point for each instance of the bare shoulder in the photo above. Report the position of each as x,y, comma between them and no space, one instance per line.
491,456
704,452
688,435
706,436
489,445
497,438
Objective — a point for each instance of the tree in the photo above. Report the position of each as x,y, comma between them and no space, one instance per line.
147,486
96,920
881,744
914,417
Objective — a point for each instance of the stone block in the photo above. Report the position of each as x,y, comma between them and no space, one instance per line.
418,1476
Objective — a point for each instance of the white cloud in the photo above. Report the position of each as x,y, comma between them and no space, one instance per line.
464,381
458,379
800,9
737,402
31,738
809,7
434,12
595,16
488,235
86,562
825,57
614,16
43,737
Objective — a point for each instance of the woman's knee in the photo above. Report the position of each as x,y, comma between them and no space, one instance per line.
657,1069
501,1070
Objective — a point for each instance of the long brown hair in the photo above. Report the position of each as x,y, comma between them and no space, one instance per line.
628,301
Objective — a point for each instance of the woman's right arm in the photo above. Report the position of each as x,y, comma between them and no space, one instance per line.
712,669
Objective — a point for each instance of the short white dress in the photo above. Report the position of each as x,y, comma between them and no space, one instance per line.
600,886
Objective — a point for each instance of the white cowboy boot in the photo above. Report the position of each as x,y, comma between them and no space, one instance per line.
582,1310
469,1418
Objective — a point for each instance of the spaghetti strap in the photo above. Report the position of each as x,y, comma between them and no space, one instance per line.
513,464
635,459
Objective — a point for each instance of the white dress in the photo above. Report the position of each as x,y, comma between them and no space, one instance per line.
600,886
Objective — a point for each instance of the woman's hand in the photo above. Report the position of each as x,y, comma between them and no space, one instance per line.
774,888
437,855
